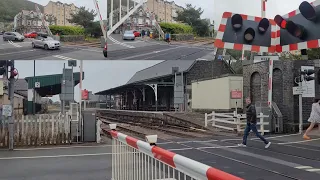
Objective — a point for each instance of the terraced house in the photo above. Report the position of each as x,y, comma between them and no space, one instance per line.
62,12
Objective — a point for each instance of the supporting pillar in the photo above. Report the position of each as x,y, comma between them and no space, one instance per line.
111,15
120,11
155,90
128,6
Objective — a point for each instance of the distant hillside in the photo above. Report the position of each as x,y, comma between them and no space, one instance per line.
9,8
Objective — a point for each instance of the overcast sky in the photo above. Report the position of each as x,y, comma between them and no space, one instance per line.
213,9
98,75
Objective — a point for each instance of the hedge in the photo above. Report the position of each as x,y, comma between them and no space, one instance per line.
176,28
67,30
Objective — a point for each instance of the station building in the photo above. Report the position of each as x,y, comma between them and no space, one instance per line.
152,89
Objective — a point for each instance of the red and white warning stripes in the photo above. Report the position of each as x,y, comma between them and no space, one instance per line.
220,44
263,8
103,26
303,45
188,166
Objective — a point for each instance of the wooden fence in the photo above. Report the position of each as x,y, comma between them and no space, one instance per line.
36,130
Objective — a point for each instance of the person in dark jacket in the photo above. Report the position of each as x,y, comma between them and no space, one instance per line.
252,125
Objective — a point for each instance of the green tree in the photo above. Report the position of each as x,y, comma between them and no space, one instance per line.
192,16
83,18
94,29
313,53
10,8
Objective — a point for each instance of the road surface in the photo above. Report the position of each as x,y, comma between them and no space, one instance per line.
118,50
289,157
73,163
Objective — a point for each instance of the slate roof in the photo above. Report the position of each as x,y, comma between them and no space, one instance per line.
21,87
161,69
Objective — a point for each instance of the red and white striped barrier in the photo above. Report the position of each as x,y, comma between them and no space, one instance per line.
302,45
152,162
220,44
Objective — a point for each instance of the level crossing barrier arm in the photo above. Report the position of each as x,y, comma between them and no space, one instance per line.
138,160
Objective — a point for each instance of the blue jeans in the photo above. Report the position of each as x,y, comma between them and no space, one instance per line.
253,127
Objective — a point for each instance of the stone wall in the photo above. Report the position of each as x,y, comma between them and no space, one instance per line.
182,37
255,85
207,69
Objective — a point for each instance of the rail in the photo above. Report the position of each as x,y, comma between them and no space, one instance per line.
138,160
238,120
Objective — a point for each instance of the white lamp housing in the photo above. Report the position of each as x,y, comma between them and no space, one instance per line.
152,139
113,126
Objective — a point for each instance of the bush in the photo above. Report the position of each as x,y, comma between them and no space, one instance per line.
176,28
67,30
72,38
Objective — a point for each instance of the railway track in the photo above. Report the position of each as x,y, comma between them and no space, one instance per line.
165,130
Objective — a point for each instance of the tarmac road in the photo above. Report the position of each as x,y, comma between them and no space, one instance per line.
288,158
118,50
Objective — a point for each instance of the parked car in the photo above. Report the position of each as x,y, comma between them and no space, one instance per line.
128,35
105,50
136,33
45,42
12,36
31,35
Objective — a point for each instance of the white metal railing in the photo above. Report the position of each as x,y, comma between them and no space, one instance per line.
134,159
235,119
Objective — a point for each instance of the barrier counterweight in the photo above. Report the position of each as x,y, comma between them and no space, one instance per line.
134,159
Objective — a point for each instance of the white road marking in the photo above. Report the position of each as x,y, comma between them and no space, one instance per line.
127,58
217,147
16,52
182,149
14,44
56,156
231,140
303,167
308,168
120,43
313,170
63,57
93,50
202,59
61,147
182,142
274,137
297,142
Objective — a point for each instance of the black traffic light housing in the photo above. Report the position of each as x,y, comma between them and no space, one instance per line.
307,74
237,30
4,68
300,28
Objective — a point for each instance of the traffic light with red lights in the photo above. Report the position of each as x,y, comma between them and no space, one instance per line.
243,32
300,28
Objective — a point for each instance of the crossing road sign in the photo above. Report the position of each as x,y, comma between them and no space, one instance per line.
298,90
7,110
37,84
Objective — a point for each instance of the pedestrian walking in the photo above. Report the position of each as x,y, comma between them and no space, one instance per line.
167,38
314,117
143,33
252,125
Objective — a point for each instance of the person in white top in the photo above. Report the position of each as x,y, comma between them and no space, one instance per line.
314,117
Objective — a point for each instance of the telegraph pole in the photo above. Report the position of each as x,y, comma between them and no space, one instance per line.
11,98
